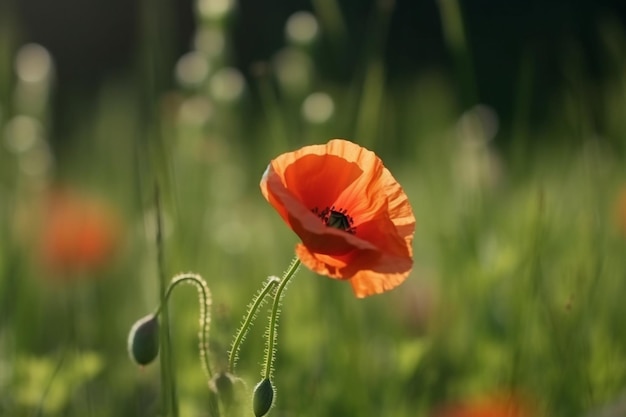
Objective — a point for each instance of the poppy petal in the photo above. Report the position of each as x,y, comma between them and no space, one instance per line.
308,226
369,271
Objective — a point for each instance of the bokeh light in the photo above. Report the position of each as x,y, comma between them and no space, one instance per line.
301,28
22,133
211,41
192,69
478,125
33,63
293,69
227,85
318,108
215,9
195,111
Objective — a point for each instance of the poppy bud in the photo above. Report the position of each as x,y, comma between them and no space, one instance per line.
263,397
143,340
222,384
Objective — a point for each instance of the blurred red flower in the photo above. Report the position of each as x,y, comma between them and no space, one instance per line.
496,406
78,233
354,219
620,211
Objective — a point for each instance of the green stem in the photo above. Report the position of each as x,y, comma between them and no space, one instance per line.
168,380
372,88
247,323
205,317
456,40
271,106
271,339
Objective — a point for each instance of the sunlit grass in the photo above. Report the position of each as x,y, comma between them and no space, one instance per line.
519,251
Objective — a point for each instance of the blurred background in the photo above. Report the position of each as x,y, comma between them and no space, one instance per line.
504,122
557,46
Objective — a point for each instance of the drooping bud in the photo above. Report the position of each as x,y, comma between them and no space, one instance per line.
143,340
222,385
263,397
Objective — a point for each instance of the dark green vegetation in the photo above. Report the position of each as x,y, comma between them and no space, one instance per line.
520,253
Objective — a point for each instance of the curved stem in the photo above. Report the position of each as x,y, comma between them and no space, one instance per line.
271,338
205,303
256,304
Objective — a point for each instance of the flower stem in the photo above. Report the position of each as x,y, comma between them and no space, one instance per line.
257,302
168,380
271,338
205,316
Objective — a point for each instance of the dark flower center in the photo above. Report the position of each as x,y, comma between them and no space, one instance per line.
336,218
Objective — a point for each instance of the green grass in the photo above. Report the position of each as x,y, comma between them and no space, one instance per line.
519,261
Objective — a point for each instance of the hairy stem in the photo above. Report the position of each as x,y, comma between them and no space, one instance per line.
271,337
257,302
204,294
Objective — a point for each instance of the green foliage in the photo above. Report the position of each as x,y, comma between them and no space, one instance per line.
519,251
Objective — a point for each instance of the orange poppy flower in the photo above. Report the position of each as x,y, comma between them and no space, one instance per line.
353,218
78,234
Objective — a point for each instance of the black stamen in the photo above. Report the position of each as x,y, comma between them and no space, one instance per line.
336,218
